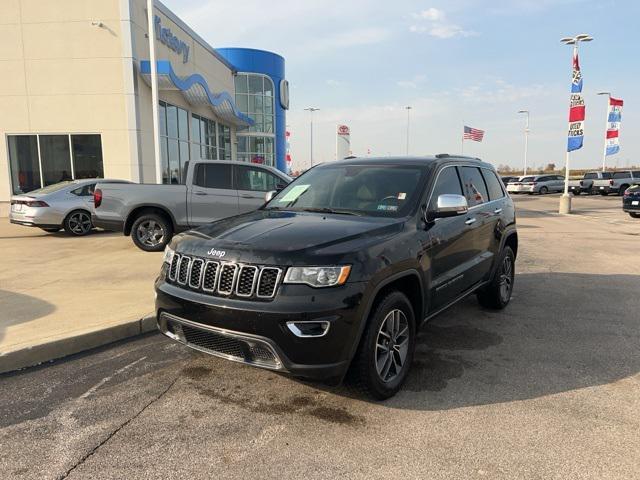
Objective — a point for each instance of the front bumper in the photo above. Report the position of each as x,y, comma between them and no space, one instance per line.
256,332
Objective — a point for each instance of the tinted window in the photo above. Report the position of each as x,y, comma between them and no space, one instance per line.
621,175
527,179
85,191
448,183
255,179
606,174
636,173
589,176
473,185
211,175
493,184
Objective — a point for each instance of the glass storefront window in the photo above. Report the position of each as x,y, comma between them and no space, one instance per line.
87,156
204,142
61,158
174,144
25,165
255,97
56,159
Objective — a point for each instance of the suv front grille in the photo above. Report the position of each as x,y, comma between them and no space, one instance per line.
224,278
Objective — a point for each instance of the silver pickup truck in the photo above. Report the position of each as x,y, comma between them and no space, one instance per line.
151,214
585,184
618,182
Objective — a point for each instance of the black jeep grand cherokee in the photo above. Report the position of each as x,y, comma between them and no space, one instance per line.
339,270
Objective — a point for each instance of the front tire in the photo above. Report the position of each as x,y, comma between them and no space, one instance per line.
497,294
386,349
151,232
543,190
78,223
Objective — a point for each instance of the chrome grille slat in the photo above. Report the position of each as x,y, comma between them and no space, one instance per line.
247,279
183,270
195,275
228,279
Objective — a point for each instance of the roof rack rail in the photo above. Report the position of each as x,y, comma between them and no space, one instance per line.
446,155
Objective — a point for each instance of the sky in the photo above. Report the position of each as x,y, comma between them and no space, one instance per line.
454,62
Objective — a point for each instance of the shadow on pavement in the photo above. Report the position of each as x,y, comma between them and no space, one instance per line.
18,308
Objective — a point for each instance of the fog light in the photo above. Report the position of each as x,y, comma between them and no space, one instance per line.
309,329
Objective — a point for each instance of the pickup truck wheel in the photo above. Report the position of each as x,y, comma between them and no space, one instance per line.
622,189
497,293
386,350
78,223
151,232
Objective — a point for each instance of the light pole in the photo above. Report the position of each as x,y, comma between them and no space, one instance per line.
408,108
526,141
606,127
311,110
565,199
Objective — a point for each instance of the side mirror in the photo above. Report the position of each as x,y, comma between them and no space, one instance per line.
450,206
269,195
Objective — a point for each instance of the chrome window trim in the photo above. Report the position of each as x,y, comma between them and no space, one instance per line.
193,261
275,287
233,280
215,278
253,283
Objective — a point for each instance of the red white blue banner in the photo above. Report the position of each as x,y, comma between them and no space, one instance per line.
613,125
576,108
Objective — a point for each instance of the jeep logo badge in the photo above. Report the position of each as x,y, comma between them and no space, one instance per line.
216,253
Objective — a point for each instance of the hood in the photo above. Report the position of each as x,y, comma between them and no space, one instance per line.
285,237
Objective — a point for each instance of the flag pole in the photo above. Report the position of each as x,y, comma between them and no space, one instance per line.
462,137
606,127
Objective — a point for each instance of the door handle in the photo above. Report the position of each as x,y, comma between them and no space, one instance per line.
497,210
199,193
246,196
470,221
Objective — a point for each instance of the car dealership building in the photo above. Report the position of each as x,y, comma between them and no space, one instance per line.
75,96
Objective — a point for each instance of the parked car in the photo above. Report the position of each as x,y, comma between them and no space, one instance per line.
507,179
340,269
618,182
541,184
151,214
631,200
65,205
585,185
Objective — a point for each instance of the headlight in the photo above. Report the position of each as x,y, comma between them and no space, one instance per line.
168,255
318,276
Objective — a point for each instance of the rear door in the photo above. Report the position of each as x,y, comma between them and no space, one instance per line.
252,184
212,196
452,247
490,234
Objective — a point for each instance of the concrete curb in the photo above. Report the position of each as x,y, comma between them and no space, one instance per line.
46,352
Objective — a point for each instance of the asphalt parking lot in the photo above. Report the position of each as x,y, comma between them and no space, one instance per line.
548,388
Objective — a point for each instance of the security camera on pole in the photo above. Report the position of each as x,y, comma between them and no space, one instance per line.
576,115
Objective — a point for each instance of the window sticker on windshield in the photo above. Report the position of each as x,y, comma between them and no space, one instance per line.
402,196
294,193
388,208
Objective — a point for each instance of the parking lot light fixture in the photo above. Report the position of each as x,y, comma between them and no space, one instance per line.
311,110
526,140
606,127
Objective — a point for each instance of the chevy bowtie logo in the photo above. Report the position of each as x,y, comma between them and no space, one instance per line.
216,253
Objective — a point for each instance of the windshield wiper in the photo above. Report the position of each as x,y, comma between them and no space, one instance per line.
330,210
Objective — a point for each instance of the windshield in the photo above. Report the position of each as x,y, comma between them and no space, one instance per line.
52,188
374,190
527,179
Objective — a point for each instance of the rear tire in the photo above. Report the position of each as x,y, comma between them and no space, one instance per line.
78,223
543,190
497,294
622,189
385,353
151,232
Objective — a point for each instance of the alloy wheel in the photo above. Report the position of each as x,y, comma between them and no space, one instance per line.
80,223
506,278
150,233
392,345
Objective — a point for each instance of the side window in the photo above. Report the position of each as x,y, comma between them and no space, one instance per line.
255,179
85,191
474,188
620,174
212,175
636,174
493,184
448,183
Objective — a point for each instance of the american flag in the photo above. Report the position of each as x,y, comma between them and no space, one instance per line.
473,134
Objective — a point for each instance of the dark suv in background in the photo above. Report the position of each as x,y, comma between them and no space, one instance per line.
338,271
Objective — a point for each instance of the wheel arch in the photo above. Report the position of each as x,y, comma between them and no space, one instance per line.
148,208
